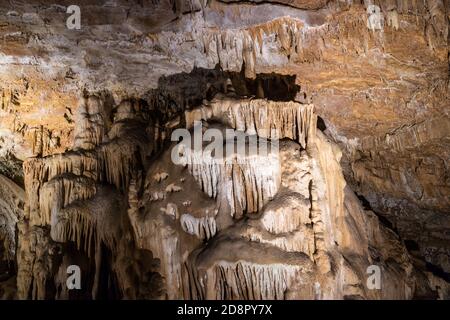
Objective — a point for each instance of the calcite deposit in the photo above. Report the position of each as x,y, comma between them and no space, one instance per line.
333,185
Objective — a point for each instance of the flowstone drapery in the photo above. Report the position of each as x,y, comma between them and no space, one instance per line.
277,225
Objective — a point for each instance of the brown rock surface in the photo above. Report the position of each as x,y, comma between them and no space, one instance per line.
89,110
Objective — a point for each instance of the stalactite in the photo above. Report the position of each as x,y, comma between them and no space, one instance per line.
203,228
267,119
76,226
245,280
173,188
118,158
302,240
160,176
44,169
249,183
285,214
79,221
245,182
296,210
249,46
62,191
38,171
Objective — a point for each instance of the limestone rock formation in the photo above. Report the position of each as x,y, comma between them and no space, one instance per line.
333,119
12,202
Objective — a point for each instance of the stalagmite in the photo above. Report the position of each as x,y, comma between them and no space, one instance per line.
161,238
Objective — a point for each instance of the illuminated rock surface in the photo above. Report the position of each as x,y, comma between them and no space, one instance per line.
361,177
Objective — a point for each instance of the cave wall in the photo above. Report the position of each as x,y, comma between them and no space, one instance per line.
78,105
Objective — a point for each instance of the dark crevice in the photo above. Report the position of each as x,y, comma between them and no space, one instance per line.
183,91
321,124
288,4
271,86
383,220
365,203
411,245
438,271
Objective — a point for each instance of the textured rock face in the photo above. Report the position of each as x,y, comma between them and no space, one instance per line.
88,115
12,201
